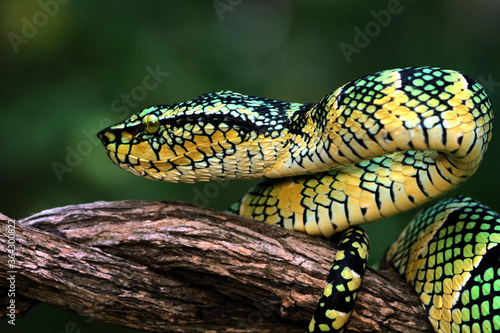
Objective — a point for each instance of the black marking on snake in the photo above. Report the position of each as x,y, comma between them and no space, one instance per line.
472,145
392,192
378,201
489,261
319,158
153,166
372,137
426,135
421,185
344,93
430,175
363,185
410,144
444,138
297,120
346,208
407,76
354,152
237,123
470,82
361,142
438,170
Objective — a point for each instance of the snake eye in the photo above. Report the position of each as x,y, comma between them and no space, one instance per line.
151,123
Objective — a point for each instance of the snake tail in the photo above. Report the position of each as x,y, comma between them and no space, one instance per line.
342,284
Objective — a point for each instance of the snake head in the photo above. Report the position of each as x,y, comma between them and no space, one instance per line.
216,136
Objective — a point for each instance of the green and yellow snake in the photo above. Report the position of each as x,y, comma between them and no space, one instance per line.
379,145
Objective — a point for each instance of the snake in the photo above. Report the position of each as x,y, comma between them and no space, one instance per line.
379,145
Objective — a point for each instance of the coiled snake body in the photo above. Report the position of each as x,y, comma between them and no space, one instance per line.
379,145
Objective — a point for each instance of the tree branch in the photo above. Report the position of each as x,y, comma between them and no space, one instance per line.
171,266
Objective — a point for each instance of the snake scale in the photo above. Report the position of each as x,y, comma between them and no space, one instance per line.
379,145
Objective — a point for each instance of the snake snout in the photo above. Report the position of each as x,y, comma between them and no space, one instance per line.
103,137
114,136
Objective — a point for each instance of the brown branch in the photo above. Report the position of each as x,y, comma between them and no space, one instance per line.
171,266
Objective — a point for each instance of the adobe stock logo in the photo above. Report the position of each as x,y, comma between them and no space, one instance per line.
225,6
123,106
372,29
30,28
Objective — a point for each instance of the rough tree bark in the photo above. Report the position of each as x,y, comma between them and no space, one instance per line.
171,266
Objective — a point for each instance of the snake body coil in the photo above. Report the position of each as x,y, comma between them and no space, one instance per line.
379,145
450,254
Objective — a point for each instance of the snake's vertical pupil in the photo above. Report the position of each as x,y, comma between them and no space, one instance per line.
151,124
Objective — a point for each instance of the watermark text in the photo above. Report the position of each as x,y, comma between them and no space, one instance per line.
372,29
31,27
11,277
122,106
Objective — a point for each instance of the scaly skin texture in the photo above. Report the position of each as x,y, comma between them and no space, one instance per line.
379,145
450,254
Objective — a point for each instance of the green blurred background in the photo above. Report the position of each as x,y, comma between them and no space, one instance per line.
70,68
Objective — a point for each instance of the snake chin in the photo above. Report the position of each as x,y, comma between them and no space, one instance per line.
151,169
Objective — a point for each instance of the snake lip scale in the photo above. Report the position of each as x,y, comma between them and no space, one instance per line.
382,144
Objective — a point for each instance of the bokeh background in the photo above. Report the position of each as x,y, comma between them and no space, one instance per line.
69,68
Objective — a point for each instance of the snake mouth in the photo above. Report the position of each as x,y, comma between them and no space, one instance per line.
154,169
218,156
127,161
141,167
113,136
104,137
